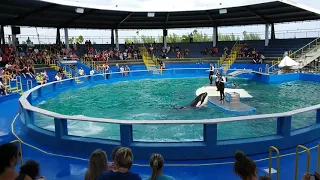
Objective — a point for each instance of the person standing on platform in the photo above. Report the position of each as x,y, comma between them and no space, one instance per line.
221,87
217,81
211,71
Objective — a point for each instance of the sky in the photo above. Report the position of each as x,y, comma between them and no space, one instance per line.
103,36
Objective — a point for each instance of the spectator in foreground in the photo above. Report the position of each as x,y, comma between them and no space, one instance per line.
3,89
307,176
244,167
9,156
156,163
97,164
31,169
122,165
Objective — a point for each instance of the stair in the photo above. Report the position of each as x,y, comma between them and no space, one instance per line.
238,72
225,62
150,62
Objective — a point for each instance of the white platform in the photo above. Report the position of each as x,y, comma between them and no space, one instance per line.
212,91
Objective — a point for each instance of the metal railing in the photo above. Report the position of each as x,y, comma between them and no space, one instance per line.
297,160
272,148
305,49
210,126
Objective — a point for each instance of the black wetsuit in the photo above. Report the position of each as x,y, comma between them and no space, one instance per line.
211,74
221,88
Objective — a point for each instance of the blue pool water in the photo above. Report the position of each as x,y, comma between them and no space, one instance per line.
156,99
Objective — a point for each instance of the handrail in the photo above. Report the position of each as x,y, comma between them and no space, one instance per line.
29,86
295,52
24,102
318,164
278,161
297,160
20,150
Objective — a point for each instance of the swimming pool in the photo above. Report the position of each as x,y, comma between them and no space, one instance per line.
155,99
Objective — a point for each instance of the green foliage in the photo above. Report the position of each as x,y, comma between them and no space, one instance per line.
197,37
78,39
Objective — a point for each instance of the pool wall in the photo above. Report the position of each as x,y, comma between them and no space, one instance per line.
209,148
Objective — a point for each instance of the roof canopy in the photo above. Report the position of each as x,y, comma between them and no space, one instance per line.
45,14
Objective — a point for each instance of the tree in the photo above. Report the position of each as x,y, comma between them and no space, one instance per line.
71,40
79,39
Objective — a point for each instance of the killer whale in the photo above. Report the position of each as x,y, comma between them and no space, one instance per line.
200,101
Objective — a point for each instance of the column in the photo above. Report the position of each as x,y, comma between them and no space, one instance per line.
165,33
273,33
66,38
112,37
117,39
3,40
214,36
266,40
58,36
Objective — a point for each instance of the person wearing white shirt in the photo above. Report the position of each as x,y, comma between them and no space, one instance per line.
81,72
3,89
122,70
57,77
92,72
211,72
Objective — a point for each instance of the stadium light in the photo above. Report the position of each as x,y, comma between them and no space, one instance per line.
150,14
223,11
80,10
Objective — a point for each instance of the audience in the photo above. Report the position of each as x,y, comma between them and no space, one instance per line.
97,164
156,164
9,156
3,89
244,167
122,164
31,169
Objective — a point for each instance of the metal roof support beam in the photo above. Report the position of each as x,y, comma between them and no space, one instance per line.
259,15
2,37
24,16
77,17
124,19
166,22
273,33
212,22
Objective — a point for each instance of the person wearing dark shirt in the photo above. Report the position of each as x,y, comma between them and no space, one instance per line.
221,87
122,164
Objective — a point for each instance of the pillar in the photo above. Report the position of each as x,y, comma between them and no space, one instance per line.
112,37
266,40
214,36
117,39
58,36
273,34
165,33
3,40
66,38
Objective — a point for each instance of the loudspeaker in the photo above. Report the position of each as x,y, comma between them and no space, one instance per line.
165,32
15,30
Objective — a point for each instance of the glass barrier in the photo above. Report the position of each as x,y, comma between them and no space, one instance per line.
45,90
164,133
44,122
247,129
94,130
185,72
99,77
303,120
140,74
64,84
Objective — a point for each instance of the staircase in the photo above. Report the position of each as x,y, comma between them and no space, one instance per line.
226,61
304,56
238,72
307,54
150,62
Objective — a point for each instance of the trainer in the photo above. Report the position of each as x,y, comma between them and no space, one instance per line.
211,71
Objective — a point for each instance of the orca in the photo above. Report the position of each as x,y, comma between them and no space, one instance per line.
199,101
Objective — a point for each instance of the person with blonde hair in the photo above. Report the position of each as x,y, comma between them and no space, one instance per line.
156,164
97,164
122,164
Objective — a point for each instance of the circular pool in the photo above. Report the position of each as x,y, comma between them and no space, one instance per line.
156,99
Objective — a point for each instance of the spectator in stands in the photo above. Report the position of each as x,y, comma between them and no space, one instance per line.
244,167
81,72
186,52
31,169
9,156
122,164
58,77
225,50
122,70
156,164
215,50
97,164
135,55
39,79
3,89
91,72
126,70
191,37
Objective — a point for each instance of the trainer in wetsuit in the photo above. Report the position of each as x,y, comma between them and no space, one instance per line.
221,87
211,71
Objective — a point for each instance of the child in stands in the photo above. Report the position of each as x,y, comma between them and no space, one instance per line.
122,165
156,164
97,164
